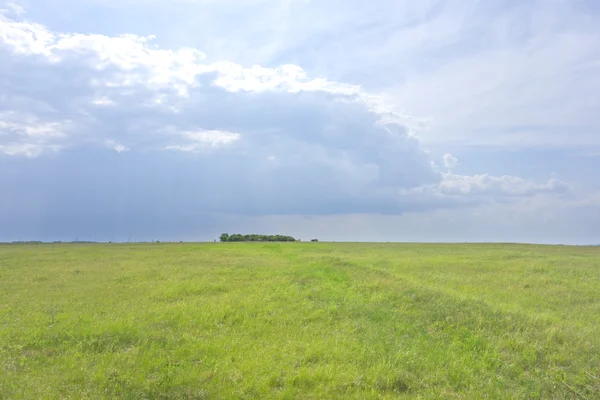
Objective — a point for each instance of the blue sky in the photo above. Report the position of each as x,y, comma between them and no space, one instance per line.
384,120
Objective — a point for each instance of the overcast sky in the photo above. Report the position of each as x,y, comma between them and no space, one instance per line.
381,120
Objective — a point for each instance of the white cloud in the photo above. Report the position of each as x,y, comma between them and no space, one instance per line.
24,134
510,92
103,101
141,63
458,191
288,142
26,37
119,148
453,184
491,73
12,8
117,69
202,139
15,124
213,138
29,150
449,161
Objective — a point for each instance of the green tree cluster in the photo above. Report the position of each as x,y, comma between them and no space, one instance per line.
236,237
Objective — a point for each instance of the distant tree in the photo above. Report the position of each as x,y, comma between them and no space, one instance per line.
236,237
253,237
314,240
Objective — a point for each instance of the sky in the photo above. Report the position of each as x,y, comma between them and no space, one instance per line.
346,120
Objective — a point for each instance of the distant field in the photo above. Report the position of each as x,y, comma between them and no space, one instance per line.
299,320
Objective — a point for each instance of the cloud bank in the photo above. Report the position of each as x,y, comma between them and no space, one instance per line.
121,128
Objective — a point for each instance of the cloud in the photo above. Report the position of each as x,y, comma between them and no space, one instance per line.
467,191
502,82
449,161
493,185
487,74
202,139
24,134
12,8
134,131
119,148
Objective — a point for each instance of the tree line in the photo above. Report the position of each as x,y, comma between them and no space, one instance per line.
236,237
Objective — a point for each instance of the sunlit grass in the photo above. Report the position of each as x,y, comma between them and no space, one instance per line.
299,320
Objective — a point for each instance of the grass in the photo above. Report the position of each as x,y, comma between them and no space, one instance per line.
299,320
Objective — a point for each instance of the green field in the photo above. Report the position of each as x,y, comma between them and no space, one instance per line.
299,320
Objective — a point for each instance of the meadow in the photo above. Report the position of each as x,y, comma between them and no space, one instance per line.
299,321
